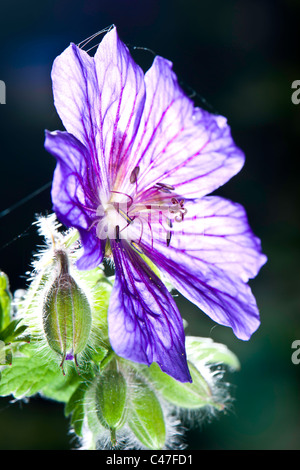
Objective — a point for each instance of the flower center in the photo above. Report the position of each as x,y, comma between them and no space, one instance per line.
150,214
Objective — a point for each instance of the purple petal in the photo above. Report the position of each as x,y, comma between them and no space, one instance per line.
77,100
144,323
226,300
100,100
122,96
212,253
178,144
216,231
73,193
93,250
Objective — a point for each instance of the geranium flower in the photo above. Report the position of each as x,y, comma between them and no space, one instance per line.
133,173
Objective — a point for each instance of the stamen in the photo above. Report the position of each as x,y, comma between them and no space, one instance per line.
178,208
134,175
136,247
125,216
117,233
165,186
169,236
179,218
119,192
169,222
164,190
92,225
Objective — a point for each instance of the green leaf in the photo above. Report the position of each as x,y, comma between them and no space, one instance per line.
95,352
5,301
146,418
206,350
185,395
25,377
62,388
13,333
5,354
75,406
33,372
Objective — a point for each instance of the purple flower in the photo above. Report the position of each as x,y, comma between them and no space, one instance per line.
133,173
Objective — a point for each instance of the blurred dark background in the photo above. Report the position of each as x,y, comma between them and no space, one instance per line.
241,57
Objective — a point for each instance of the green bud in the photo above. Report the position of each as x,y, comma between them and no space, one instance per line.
146,418
5,301
67,315
111,394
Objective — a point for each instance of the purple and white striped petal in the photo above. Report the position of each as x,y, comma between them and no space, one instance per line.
211,255
122,96
178,144
225,299
144,323
99,100
74,193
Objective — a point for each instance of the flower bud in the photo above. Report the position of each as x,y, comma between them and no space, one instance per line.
66,314
146,419
111,394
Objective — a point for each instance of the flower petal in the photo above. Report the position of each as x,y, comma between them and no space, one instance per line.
77,100
178,144
100,100
216,231
144,323
73,193
211,255
122,97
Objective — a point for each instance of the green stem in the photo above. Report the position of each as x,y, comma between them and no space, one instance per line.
113,437
109,356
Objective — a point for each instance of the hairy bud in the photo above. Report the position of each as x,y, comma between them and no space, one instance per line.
146,416
111,394
66,314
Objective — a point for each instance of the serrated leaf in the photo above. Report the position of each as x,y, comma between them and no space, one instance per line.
185,395
145,417
32,373
206,350
26,377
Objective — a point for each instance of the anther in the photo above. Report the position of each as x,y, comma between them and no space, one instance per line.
163,186
117,233
169,236
134,174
